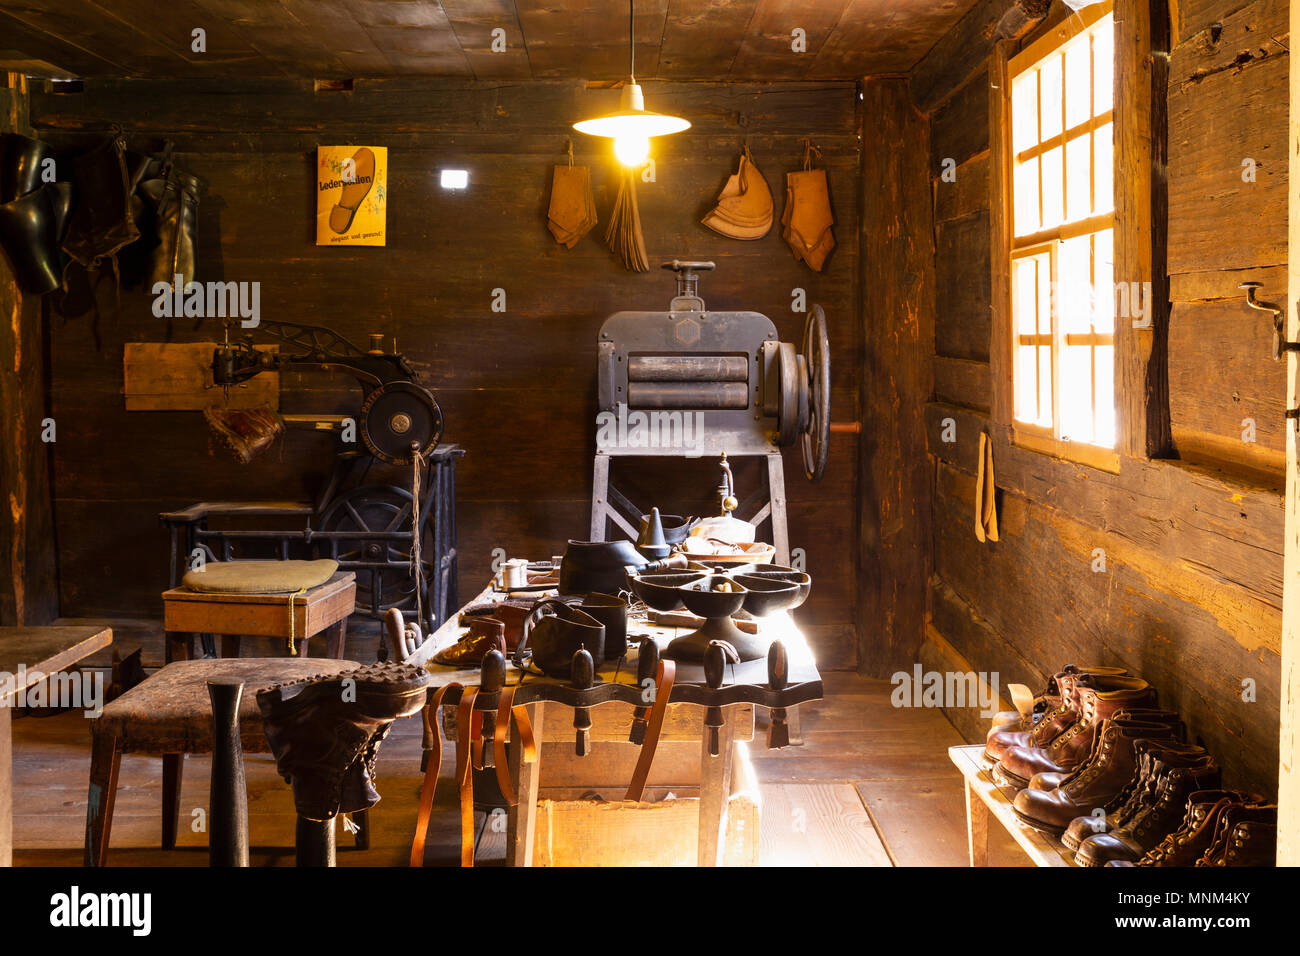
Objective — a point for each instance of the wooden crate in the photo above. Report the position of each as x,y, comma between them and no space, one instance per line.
648,833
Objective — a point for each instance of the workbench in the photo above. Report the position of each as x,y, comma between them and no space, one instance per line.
40,652
743,684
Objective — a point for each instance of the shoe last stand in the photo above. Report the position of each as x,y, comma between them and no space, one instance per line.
228,795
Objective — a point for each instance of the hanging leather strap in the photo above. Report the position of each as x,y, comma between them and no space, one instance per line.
526,743
469,727
469,752
663,690
433,737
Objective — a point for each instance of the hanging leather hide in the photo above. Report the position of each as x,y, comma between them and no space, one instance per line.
807,219
744,208
623,234
572,213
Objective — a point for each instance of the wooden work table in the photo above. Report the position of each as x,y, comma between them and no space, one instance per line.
743,683
40,651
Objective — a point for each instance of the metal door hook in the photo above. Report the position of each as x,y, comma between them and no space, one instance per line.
1280,344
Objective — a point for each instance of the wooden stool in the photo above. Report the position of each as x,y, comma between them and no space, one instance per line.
170,715
187,614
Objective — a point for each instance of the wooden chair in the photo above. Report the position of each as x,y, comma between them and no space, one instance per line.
170,715
187,614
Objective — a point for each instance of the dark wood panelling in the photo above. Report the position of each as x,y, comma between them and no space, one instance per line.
962,293
959,129
962,382
897,263
1228,104
517,388
679,39
1220,373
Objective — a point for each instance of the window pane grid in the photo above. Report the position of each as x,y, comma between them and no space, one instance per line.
1062,221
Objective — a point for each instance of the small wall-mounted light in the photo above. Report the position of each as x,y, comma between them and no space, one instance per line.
454,178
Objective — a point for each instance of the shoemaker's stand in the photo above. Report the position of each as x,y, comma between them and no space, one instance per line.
986,801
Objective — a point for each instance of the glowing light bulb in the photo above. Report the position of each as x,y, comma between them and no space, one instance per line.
631,150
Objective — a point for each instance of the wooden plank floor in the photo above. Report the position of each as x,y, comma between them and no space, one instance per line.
871,786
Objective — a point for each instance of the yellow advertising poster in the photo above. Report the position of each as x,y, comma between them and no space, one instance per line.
351,195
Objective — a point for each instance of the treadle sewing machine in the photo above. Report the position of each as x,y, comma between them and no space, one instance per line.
366,527
721,379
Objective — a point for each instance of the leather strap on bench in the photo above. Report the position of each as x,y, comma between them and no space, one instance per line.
469,743
663,690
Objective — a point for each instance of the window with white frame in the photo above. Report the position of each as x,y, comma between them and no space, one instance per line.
1062,213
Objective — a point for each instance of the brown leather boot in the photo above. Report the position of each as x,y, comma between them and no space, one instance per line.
1114,764
1051,779
1246,835
1176,776
1098,698
1049,725
1013,721
1140,792
1189,842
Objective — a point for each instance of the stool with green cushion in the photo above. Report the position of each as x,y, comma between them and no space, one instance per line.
288,601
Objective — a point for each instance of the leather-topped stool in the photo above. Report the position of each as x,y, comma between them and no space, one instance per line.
326,607
170,715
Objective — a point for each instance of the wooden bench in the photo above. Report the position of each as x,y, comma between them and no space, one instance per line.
169,716
187,614
984,799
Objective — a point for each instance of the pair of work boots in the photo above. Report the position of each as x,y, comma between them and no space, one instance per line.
744,207
1148,808
1220,828
1057,734
34,213
325,732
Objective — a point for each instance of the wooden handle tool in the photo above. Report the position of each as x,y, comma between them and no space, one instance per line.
778,675
647,666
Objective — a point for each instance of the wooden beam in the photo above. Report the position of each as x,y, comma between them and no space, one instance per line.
27,573
1288,784
1141,211
897,264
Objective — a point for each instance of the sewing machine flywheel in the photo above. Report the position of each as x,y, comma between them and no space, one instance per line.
396,414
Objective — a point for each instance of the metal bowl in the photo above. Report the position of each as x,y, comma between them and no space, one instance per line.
768,595
773,572
701,598
659,590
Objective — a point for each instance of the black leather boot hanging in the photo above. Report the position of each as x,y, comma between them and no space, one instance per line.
175,201
22,160
101,222
30,240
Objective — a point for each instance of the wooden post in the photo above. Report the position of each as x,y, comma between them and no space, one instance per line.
896,254
1288,775
27,575
6,785
1141,217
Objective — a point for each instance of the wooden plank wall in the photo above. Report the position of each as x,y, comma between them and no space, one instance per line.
517,387
1171,567
28,590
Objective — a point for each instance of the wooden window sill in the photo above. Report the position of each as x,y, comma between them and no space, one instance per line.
1103,459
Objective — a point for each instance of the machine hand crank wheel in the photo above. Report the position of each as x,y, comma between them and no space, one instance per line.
814,440
396,414
382,565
